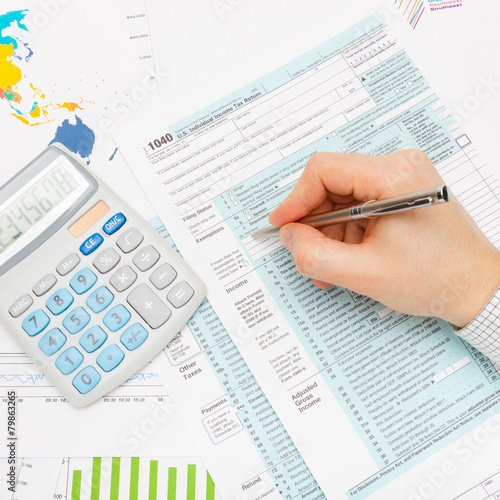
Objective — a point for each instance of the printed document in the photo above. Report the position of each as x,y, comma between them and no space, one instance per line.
370,397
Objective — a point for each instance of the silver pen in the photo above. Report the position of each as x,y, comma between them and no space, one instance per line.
367,210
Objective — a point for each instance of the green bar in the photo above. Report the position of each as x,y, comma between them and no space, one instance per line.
134,478
210,488
77,485
153,479
96,479
172,483
191,482
115,478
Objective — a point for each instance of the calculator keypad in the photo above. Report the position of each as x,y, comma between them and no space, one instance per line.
93,322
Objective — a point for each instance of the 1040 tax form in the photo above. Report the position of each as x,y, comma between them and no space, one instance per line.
371,398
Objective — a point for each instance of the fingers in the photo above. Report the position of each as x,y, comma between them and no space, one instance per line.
345,177
324,259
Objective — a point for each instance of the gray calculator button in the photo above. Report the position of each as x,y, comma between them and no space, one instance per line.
163,276
123,278
44,285
146,258
68,264
180,294
21,305
129,240
106,260
151,309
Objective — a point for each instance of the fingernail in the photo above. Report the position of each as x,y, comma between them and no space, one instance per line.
285,237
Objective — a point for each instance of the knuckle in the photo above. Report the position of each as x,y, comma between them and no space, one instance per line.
306,262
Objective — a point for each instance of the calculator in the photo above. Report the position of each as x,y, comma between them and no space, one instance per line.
87,287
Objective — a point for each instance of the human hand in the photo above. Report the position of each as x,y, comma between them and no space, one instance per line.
427,262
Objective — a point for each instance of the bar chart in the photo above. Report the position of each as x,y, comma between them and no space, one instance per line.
113,478
137,478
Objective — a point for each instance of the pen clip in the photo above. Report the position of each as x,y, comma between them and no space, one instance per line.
401,207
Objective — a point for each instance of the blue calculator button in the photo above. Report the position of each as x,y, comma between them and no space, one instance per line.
100,299
116,318
59,301
76,320
86,379
69,360
35,322
110,358
93,338
83,281
52,341
115,223
91,243
134,336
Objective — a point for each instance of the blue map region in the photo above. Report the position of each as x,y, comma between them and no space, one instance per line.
15,16
113,155
78,138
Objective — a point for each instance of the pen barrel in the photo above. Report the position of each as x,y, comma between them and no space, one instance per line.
328,219
374,208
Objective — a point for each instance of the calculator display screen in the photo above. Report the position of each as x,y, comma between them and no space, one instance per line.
31,206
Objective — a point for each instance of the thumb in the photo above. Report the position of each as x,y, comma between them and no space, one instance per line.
325,259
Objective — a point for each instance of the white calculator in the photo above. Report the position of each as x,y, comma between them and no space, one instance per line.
89,290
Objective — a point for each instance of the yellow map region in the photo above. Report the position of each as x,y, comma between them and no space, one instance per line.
9,73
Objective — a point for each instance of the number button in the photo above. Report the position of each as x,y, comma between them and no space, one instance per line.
100,299
59,301
76,320
134,336
86,380
110,358
52,341
146,258
35,322
69,360
92,339
116,318
83,281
